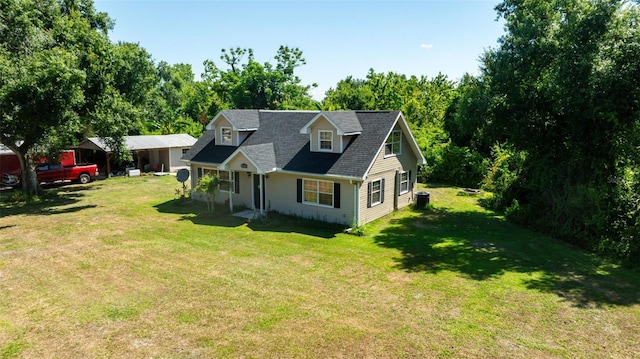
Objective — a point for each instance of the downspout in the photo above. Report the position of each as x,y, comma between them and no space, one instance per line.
264,182
356,204
230,195
261,194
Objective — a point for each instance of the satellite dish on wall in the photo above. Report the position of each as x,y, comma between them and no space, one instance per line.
182,175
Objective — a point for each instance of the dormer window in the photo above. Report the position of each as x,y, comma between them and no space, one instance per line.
393,145
226,135
326,141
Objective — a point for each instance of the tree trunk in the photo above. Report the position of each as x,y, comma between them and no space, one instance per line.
212,201
28,180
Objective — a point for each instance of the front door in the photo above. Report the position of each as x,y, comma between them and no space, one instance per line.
256,192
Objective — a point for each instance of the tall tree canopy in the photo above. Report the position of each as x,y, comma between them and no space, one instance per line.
247,83
565,90
178,102
61,78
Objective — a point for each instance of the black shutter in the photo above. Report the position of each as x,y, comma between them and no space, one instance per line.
382,191
236,181
369,195
398,183
199,172
336,195
299,194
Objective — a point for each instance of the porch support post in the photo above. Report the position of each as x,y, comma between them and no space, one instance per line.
230,193
356,204
108,164
139,156
261,194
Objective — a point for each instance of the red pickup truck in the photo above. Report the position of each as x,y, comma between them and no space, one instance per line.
47,172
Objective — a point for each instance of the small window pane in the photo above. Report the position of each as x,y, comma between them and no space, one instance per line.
326,140
310,197
326,199
326,187
376,186
310,185
392,146
226,135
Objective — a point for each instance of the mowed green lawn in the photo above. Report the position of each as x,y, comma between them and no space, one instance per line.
118,268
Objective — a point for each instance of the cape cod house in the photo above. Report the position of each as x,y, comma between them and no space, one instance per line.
348,167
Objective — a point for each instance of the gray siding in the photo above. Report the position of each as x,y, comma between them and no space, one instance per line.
223,123
282,196
387,168
323,125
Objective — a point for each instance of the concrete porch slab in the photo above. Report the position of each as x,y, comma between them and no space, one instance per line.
248,214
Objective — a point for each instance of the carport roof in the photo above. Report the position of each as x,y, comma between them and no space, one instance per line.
139,143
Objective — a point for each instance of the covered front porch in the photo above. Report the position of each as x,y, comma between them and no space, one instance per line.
250,166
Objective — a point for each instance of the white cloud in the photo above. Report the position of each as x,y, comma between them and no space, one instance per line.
426,46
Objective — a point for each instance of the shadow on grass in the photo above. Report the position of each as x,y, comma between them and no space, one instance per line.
197,213
276,222
481,246
55,200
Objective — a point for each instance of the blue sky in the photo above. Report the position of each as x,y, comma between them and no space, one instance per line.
337,38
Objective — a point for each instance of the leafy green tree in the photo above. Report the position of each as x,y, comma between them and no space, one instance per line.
177,101
250,84
208,186
563,82
60,79
469,115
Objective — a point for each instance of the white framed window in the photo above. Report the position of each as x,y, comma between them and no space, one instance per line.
325,139
184,151
404,182
375,195
317,192
226,181
393,146
225,134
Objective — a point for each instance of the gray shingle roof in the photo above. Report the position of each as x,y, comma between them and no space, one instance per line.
135,143
346,120
281,129
243,119
263,156
203,141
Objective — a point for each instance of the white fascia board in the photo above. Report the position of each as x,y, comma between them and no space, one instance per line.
217,117
366,173
346,178
305,128
212,123
412,140
234,154
209,164
412,143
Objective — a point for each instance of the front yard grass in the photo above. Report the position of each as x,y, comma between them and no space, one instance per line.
118,268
